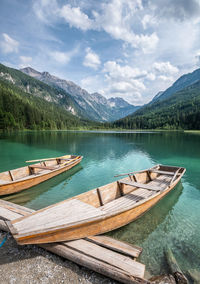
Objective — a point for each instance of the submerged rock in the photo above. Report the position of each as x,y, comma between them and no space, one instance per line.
195,275
163,279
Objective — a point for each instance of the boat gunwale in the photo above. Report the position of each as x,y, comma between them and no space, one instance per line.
34,176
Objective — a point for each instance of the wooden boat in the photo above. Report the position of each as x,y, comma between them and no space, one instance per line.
22,178
99,210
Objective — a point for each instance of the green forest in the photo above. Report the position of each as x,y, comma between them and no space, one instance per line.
179,111
20,110
26,103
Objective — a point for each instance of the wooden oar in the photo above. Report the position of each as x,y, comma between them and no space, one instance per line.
70,161
135,172
40,160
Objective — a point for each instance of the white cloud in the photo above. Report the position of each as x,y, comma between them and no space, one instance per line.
165,78
25,61
124,80
115,18
165,67
151,76
156,43
63,57
91,59
148,20
75,17
92,84
46,10
8,44
117,71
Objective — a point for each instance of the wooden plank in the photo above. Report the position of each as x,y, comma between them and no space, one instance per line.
120,186
99,196
141,185
118,246
174,177
13,206
7,214
42,167
41,160
134,268
64,215
129,200
162,172
11,175
87,261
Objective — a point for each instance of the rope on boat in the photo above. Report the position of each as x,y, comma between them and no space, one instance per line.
3,242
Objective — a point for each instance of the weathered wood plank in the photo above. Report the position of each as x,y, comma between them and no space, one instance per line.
42,167
7,214
140,185
134,268
82,259
11,175
94,264
66,214
162,172
16,209
118,246
13,207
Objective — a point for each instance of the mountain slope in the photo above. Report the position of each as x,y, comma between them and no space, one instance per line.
20,110
180,110
183,82
40,89
28,103
94,106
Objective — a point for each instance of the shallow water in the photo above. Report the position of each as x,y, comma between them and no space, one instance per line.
173,222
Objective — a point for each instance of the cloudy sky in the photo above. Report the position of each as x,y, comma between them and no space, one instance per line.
127,48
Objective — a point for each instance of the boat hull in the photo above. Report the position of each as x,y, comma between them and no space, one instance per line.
96,227
19,185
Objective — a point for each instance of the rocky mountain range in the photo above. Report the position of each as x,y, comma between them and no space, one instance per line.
183,82
93,106
178,107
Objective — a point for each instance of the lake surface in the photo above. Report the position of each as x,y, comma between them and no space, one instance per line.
173,222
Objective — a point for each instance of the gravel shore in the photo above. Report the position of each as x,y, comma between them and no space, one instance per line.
30,265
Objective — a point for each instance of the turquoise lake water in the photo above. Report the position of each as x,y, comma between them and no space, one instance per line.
174,222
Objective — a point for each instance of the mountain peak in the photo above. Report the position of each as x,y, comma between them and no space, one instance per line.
30,71
118,102
95,106
46,74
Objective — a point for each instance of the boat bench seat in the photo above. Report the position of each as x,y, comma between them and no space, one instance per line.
42,167
129,200
126,201
141,185
163,172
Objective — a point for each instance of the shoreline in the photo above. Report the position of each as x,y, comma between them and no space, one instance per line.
31,264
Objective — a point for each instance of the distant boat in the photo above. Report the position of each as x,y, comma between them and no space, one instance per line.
99,210
22,178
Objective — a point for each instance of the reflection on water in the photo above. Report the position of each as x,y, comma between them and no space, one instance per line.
27,196
144,226
173,222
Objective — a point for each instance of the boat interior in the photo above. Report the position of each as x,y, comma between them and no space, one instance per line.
33,170
134,189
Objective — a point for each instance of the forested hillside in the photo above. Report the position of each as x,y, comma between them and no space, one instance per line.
179,111
40,89
20,110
